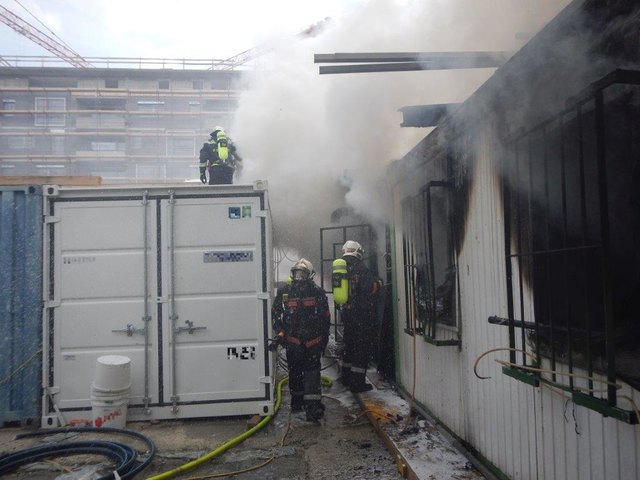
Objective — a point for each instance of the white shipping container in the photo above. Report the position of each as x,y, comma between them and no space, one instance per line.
178,279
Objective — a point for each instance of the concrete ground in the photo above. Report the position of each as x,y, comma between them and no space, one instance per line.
361,437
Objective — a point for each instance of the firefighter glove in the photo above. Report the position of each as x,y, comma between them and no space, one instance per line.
275,341
203,178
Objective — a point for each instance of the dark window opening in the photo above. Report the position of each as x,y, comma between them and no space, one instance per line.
54,82
221,105
111,83
572,239
101,103
429,257
441,271
220,83
415,276
163,84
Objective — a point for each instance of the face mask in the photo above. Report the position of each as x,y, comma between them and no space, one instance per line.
299,275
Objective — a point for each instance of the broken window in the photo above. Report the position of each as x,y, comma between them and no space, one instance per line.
429,260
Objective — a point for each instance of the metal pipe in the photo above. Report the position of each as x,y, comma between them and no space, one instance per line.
445,64
585,236
607,286
146,319
565,230
172,302
394,57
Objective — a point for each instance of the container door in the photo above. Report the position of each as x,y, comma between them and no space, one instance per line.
213,283
102,253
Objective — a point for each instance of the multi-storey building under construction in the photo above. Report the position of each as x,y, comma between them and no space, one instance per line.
135,124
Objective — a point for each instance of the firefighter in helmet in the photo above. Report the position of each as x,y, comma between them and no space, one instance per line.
301,317
358,318
220,157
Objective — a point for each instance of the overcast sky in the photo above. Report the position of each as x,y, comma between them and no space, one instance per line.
304,132
167,29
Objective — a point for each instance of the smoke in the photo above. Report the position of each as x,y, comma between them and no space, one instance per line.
306,133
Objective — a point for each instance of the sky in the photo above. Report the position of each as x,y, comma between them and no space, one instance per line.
186,29
303,132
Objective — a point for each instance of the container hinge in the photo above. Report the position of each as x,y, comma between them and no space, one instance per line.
51,219
53,390
266,380
52,304
261,213
263,296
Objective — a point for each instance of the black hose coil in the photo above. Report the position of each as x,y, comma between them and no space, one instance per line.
123,455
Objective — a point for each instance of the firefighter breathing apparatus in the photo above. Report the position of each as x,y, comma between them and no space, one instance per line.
222,146
339,281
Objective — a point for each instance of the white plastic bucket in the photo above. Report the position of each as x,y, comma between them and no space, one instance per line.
109,410
112,374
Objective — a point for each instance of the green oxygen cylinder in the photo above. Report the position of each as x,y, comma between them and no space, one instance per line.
340,283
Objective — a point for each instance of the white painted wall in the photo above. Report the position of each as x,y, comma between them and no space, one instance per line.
526,432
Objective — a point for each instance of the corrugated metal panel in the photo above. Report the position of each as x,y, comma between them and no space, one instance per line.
176,278
524,431
435,365
20,303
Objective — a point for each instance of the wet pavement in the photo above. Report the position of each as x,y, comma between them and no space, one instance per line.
361,437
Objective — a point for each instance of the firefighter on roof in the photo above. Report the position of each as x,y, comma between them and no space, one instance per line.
220,157
301,317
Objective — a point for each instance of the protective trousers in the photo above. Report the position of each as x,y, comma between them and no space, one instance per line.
359,342
220,175
304,380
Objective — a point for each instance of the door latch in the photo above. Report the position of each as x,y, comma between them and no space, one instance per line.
189,328
130,330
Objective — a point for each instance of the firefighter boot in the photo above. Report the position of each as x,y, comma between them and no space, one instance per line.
297,403
345,376
314,410
358,383
313,406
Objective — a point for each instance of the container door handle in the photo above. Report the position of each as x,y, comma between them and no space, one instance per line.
189,328
130,330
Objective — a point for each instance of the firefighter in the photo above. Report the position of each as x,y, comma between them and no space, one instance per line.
359,319
302,320
220,156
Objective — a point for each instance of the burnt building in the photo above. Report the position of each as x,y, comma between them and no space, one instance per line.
517,224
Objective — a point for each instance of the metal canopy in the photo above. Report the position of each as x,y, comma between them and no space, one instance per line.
408,61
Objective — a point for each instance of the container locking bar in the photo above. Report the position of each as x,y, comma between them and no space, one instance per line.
130,330
189,328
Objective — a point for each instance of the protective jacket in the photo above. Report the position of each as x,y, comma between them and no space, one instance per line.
360,324
220,157
301,313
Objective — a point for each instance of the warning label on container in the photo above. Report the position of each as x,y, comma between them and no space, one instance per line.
217,257
236,213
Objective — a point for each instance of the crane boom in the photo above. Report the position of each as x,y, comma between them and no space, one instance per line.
58,49
244,57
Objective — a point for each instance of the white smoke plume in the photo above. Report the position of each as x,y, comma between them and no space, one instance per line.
302,131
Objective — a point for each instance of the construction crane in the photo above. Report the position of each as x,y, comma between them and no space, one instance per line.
243,57
54,46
